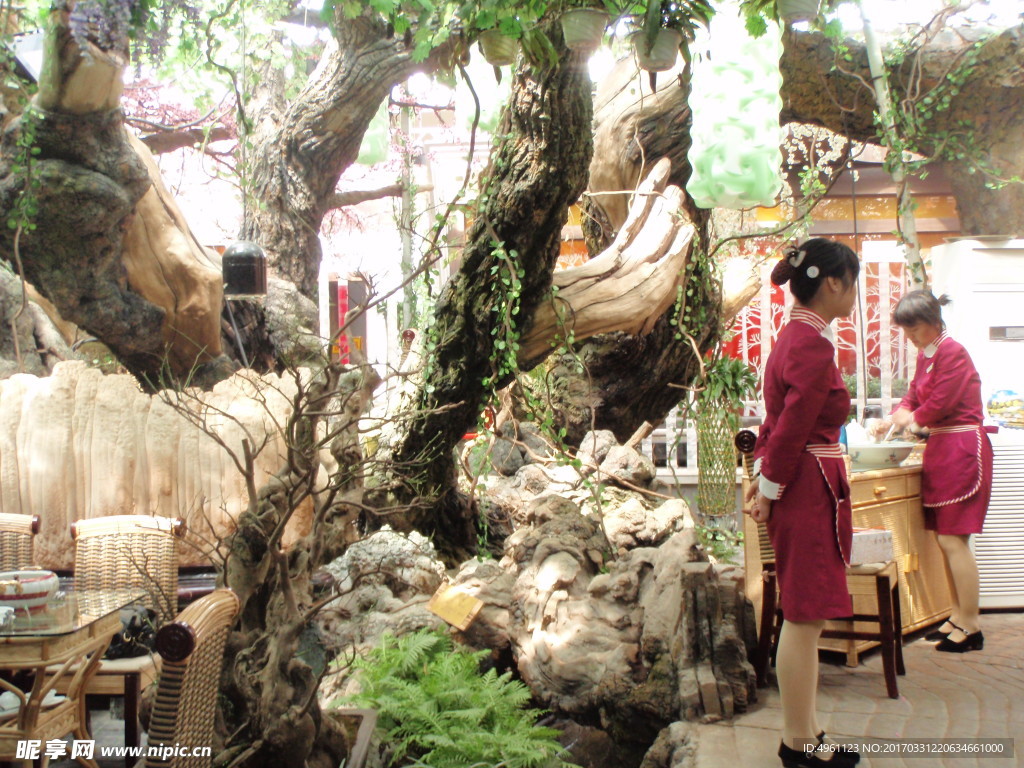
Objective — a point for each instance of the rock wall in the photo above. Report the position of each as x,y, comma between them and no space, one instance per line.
79,444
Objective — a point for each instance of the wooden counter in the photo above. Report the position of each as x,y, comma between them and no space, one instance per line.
890,499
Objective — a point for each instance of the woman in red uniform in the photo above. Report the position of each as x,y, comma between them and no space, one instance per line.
803,493
956,475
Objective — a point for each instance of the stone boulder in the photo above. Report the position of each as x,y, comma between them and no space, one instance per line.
632,524
595,447
627,466
383,584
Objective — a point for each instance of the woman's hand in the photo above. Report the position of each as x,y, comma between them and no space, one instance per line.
758,506
903,418
880,428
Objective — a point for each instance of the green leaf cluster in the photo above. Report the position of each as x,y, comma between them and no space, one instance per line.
430,25
727,383
720,541
436,708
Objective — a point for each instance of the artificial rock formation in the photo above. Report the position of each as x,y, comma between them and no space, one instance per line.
611,610
657,637
78,444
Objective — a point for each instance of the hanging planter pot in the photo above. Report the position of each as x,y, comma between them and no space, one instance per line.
583,28
661,56
792,11
499,50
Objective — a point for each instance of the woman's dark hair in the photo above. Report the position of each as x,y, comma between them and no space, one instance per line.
806,266
920,307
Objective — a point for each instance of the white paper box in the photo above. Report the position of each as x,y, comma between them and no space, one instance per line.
871,545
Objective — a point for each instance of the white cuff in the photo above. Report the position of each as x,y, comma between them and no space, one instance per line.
769,489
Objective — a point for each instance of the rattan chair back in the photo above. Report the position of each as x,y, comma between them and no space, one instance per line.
131,551
192,650
17,535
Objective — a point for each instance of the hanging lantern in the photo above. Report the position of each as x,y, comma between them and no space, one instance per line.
735,103
244,267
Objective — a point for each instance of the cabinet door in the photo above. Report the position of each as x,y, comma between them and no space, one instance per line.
924,587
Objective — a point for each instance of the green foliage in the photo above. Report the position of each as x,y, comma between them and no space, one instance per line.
720,541
429,25
728,381
506,279
919,126
684,15
22,215
757,14
436,708
899,386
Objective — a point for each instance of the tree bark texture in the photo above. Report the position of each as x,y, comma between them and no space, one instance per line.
109,249
302,148
538,168
991,102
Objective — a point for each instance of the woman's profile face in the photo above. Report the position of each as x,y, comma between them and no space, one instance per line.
849,296
843,295
921,334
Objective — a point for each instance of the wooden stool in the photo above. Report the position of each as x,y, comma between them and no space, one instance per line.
877,579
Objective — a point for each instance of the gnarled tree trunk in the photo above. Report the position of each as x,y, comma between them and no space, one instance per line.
538,169
110,251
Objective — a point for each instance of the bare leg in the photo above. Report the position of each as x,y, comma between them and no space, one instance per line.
796,667
963,571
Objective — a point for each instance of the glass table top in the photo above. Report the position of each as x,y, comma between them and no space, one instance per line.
68,612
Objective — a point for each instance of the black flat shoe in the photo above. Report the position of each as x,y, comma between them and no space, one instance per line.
796,758
974,641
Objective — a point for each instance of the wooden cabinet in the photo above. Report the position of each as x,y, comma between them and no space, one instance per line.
890,499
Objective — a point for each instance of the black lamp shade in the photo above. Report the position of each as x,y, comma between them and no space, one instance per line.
244,266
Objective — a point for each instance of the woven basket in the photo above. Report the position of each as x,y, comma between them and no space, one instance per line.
716,463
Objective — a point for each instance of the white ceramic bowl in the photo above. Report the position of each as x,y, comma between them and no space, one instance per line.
879,455
29,590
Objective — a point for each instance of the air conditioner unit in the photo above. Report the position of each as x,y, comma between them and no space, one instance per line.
1000,549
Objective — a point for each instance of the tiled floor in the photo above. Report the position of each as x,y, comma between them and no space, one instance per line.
943,695
976,695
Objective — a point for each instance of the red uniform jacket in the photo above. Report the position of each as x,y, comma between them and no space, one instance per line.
945,393
806,403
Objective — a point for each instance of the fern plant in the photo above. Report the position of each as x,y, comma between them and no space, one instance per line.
436,709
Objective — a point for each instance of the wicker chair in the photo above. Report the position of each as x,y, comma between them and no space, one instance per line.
17,534
185,706
129,551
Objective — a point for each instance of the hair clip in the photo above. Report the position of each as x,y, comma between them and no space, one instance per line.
812,272
795,257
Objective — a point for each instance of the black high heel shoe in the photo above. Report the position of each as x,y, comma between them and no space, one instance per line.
938,634
796,758
974,641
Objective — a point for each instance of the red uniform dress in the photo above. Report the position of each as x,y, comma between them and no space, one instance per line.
956,474
810,526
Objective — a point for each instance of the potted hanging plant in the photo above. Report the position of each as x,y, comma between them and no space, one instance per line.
498,49
665,28
792,11
660,54
583,28
757,13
